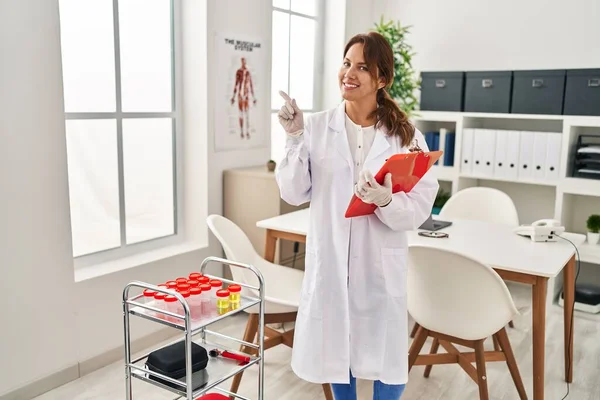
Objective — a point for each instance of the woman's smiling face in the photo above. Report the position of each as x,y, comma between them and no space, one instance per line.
356,82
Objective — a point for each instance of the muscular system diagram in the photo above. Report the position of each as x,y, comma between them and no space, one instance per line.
243,88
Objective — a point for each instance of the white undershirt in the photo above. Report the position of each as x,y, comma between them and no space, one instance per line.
360,140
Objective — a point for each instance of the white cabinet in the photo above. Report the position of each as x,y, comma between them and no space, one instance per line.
527,156
532,163
250,195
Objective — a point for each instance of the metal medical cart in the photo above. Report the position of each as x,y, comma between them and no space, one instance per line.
218,369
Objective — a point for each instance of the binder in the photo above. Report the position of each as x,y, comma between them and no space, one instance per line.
448,149
466,163
436,143
553,148
526,155
407,169
432,139
429,140
483,152
489,139
501,168
539,155
512,154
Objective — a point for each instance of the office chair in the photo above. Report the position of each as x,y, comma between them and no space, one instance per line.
457,299
282,289
482,204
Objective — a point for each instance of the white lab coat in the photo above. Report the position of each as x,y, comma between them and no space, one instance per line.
352,312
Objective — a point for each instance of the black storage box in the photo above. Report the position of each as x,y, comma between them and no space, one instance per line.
488,91
170,361
538,92
442,91
582,93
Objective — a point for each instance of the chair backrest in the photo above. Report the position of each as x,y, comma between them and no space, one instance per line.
456,295
482,204
237,247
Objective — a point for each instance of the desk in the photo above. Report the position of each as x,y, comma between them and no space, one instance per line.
514,258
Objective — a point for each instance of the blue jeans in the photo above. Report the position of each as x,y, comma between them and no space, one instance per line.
381,391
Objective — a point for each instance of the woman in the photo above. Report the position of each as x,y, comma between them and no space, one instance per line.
352,320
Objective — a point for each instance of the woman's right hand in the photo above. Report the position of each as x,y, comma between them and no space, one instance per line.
290,116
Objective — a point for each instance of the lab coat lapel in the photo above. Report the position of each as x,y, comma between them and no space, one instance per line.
380,144
340,139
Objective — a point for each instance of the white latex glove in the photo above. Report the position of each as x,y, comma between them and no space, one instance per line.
369,191
290,116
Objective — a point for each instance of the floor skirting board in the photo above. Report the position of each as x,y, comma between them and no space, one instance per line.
44,384
66,375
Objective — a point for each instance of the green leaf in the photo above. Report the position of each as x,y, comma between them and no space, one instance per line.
406,82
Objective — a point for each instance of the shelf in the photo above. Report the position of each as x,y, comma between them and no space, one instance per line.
445,173
216,372
245,302
437,116
524,181
589,253
580,186
513,116
455,116
582,121
451,116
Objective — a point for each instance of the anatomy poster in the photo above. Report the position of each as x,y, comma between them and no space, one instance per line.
242,99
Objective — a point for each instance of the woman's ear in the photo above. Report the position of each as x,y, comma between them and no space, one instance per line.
381,84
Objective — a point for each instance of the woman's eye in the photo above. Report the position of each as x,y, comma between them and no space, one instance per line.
346,64
364,68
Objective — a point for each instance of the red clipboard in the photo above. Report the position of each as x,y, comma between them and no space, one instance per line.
407,170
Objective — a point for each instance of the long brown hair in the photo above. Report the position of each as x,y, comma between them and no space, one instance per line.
379,57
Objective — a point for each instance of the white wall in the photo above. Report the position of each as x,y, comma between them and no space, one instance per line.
343,19
35,237
235,16
335,39
499,34
360,17
78,321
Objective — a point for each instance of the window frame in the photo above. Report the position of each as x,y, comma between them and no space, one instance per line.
124,249
318,56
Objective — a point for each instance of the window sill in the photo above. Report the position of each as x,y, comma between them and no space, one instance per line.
88,272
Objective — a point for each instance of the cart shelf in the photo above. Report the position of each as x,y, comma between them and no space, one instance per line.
195,385
156,315
217,371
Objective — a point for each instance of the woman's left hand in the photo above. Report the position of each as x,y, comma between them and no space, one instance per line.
369,191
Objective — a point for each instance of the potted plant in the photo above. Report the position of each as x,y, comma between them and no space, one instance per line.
271,165
593,226
405,82
440,199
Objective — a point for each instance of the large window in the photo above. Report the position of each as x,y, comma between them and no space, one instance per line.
297,60
121,117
